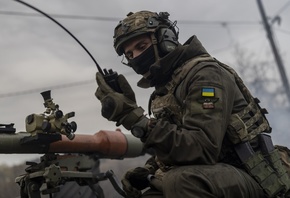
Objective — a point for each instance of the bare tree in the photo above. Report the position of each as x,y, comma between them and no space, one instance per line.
261,76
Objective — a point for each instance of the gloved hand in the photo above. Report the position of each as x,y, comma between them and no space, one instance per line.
152,165
136,179
118,107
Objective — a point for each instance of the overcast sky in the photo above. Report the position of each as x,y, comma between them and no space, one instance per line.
37,55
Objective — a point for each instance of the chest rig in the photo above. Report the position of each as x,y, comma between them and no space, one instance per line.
263,164
164,104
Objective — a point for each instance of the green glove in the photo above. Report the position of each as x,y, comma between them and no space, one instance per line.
136,179
118,107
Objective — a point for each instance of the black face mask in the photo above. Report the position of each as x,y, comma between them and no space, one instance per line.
142,63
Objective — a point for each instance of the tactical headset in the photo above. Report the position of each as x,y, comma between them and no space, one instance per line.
166,35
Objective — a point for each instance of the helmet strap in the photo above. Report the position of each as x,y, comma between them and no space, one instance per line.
154,43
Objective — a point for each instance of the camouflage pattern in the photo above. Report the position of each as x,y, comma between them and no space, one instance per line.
202,111
241,128
135,24
208,95
285,156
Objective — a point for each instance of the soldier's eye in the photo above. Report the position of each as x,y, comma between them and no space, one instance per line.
129,55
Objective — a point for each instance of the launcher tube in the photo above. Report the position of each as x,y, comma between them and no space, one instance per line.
107,144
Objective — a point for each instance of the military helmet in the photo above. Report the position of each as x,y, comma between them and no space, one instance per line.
139,23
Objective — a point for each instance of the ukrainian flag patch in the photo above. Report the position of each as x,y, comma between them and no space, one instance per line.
207,92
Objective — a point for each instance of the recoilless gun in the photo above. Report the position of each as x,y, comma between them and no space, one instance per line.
68,157
66,153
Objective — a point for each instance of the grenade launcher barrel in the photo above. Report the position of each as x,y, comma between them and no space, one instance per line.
106,144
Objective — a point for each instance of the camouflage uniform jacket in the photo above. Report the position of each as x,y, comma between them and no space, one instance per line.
192,124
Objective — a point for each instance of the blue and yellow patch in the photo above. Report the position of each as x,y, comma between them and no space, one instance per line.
207,92
208,98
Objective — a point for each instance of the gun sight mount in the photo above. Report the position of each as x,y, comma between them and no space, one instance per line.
52,120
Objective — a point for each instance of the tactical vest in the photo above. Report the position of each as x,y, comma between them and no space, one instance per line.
164,104
264,165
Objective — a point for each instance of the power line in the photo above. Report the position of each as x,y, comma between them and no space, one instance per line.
255,38
62,86
38,90
277,56
283,8
109,19
283,31
115,19
222,23
95,18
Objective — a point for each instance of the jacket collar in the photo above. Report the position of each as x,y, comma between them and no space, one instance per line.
164,67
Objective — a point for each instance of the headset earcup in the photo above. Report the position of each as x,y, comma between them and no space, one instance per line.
167,40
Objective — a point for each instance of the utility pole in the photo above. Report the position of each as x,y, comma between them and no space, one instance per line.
275,51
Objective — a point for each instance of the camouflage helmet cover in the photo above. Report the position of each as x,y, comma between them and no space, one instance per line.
133,25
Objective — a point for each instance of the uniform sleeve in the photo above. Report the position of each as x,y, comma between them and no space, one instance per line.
208,100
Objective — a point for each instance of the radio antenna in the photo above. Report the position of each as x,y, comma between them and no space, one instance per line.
45,14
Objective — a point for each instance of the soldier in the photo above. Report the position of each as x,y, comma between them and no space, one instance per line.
207,131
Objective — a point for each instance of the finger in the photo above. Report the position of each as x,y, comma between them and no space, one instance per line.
99,94
102,83
127,187
126,88
125,184
130,191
